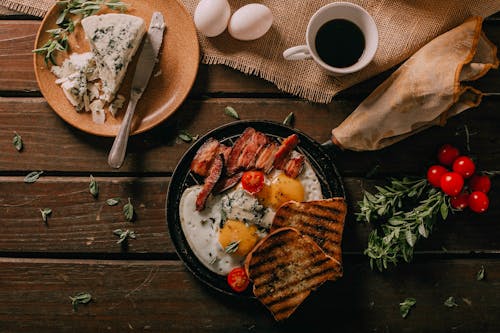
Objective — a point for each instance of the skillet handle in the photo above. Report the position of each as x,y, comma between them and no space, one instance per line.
331,147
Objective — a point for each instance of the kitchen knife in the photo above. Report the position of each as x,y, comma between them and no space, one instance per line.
143,71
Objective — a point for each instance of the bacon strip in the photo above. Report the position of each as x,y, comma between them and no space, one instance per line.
254,145
214,174
294,166
265,159
232,161
225,151
204,157
227,182
284,151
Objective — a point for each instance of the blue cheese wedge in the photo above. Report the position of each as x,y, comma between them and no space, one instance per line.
114,39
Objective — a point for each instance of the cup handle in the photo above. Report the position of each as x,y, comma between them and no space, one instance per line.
300,52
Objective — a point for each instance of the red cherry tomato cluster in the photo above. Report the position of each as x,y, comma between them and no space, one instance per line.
461,183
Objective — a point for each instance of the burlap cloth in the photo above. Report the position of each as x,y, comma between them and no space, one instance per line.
404,26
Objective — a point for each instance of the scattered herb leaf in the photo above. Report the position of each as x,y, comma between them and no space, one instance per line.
480,273
128,211
81,298
406,305
289,120
450,302
17,141
46,212
113,201
124,235
187,137
232,247
402,227
32,177
231,112
93,187
467,301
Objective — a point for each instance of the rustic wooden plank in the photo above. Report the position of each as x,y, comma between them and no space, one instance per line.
82,224
164,296
47,137
17,39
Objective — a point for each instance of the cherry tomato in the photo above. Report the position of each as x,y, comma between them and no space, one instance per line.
478,202
481,183
434,175
447,154
253,181
464,166
461,201
238,279
452,183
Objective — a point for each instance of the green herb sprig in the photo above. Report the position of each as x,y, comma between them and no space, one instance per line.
17,141
402,226
58,41
80,298
406,305
124,235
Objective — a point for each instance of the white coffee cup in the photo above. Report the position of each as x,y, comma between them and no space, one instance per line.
337,10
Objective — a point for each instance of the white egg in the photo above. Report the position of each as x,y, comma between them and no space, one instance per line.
211,17
250,22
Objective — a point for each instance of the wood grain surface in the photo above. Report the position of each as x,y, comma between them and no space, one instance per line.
144,287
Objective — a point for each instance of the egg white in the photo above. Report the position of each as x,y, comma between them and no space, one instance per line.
201,229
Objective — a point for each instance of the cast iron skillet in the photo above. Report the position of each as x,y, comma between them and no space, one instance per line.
318,156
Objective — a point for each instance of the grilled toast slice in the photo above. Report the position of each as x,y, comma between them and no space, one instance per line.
285,267
322,220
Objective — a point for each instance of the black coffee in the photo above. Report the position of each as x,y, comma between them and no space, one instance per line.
340,43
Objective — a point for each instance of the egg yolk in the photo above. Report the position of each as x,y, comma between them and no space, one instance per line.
235,231
281,190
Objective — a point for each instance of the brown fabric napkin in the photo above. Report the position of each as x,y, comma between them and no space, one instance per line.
425,91
404,26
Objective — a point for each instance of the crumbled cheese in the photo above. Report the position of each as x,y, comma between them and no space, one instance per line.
97,108
116,105
73,76
241,206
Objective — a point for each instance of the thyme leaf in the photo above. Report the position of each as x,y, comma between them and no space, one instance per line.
80,298
32,177
187,137
289,120
406,305
124,235
17,141
128,211
232,247
231,112
93,187
480,274
46,212
113,201
450,302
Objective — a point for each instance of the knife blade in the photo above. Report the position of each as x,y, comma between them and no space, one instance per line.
143,71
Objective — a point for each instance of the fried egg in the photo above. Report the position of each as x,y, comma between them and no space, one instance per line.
233,221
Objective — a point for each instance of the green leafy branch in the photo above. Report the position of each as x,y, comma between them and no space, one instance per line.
395,239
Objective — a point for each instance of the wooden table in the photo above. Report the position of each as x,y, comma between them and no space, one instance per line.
147,288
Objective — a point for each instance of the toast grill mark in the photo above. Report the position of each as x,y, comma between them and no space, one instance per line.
285,267
323,221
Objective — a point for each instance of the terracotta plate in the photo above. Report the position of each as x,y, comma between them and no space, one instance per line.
170,83
321,160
